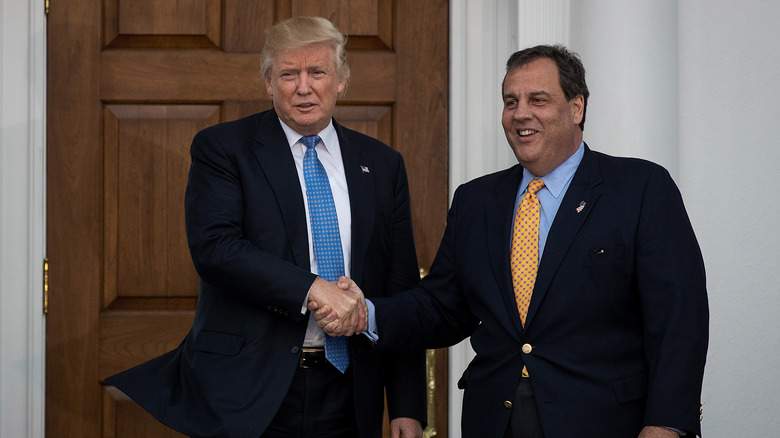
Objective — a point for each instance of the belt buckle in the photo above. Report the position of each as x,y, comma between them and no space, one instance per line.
310,357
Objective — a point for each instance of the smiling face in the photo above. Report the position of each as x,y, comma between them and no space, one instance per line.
541,126
304,85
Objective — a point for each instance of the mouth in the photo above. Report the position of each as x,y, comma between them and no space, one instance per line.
526,132
305,106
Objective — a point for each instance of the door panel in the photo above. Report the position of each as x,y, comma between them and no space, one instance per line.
130,82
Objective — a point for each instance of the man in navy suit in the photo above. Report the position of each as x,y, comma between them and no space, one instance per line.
614,339
254,364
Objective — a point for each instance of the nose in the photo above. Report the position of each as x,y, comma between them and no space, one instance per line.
521,112
304,84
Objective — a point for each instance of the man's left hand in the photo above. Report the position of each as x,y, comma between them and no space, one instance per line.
405,427
657,432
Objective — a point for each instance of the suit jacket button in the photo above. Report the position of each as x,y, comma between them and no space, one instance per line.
508,404
527,348
295,350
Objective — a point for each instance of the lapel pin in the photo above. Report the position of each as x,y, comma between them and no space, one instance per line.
582,205
364,169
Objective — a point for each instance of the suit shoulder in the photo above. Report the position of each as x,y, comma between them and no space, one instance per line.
487,182
365,142
629,167
239,128
477,189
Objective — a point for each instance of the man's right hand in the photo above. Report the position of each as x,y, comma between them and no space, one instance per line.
340,309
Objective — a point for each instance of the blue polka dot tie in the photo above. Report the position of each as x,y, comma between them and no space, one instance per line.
325,236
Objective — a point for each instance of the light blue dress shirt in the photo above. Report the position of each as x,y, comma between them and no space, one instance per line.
550,196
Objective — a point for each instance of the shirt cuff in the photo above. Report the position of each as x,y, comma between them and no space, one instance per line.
371,332
305,306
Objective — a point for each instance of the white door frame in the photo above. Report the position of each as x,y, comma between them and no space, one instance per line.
22,217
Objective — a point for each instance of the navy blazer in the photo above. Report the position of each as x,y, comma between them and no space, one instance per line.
246,229
617,330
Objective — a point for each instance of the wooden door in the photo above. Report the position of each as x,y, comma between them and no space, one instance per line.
129,84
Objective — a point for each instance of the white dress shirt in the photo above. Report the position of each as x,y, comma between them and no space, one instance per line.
329,154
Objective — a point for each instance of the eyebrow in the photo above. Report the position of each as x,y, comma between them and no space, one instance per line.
531,94
539,93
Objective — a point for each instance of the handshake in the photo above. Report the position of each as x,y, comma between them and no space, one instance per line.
339,308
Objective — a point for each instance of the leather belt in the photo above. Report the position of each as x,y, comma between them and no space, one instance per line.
313,358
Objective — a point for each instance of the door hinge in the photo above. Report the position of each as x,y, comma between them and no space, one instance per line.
46,6
46,286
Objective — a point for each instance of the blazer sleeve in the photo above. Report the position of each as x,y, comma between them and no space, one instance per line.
672,288
436,313
257,271
403,371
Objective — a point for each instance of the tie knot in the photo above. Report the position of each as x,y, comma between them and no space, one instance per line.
535,185
310,140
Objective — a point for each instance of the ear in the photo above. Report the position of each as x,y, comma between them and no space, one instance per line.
577,104
342,84
269,87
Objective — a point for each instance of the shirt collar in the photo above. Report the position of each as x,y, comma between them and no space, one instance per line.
328,136
558,179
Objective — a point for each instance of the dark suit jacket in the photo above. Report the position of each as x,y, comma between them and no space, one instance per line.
618,321
246,228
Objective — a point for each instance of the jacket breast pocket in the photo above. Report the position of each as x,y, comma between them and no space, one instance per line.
225,344
600,255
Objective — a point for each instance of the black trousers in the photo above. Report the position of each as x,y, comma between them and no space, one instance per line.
524,422
319,404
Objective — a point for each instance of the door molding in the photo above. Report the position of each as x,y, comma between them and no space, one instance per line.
22,218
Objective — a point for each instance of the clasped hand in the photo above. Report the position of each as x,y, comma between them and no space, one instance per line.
339,308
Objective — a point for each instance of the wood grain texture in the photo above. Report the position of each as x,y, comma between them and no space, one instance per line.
130,82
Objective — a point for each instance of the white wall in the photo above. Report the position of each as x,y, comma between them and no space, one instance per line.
729,107
692,85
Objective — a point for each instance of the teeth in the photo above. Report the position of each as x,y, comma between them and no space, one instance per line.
527,132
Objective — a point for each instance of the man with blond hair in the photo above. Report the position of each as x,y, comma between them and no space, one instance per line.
279,205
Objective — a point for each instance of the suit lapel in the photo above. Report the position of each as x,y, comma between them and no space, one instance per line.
584,188
360,183
500,218
275,158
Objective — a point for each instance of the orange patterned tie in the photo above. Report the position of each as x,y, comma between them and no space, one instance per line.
525,248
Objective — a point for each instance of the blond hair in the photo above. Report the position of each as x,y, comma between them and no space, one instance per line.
297,32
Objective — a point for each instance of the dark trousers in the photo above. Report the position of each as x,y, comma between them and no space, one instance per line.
524,422
319,403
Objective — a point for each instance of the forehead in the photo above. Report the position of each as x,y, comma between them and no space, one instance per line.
539,75
321,55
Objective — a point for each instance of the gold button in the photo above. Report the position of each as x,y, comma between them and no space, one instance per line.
508,404
527,348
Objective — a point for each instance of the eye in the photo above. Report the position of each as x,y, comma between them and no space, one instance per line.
287,76
510,103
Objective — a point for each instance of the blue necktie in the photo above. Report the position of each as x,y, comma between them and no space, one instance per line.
326,237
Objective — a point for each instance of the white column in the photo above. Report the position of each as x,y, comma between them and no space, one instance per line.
22,217
629,49
480,42
542,22
483,35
